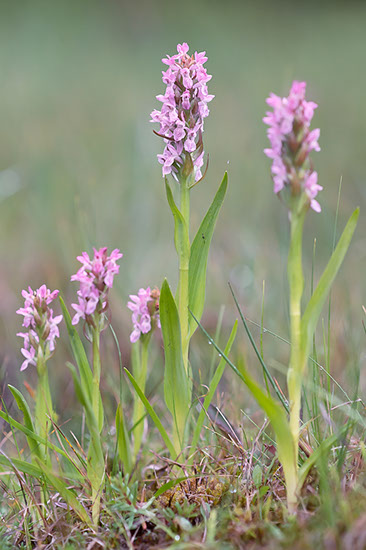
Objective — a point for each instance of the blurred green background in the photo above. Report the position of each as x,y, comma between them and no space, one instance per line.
78,157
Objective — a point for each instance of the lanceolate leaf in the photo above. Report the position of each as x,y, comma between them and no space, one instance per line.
316,302
176,383
199,256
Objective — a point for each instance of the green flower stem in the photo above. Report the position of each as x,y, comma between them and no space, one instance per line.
96,401
44,409
294,375
140,351
184,274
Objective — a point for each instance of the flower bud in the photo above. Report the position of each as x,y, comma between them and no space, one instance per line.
46,332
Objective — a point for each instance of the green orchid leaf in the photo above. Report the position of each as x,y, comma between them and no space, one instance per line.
199,256
176,382
316,302
86,375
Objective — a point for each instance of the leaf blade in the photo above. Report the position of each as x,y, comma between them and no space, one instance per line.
176,382
199,255
317,300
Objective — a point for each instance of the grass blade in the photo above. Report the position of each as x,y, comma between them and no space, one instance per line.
265,369
213,386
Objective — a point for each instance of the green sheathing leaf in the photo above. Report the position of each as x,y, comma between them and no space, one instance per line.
316,302
176,382
199,256
181,238
86,375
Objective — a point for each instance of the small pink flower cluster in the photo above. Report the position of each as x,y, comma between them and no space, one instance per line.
38,318
291,142
96,278
184,109
145,311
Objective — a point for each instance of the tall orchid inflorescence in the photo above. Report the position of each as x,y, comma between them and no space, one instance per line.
96,278
41,324
183,112
145,312
291,142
